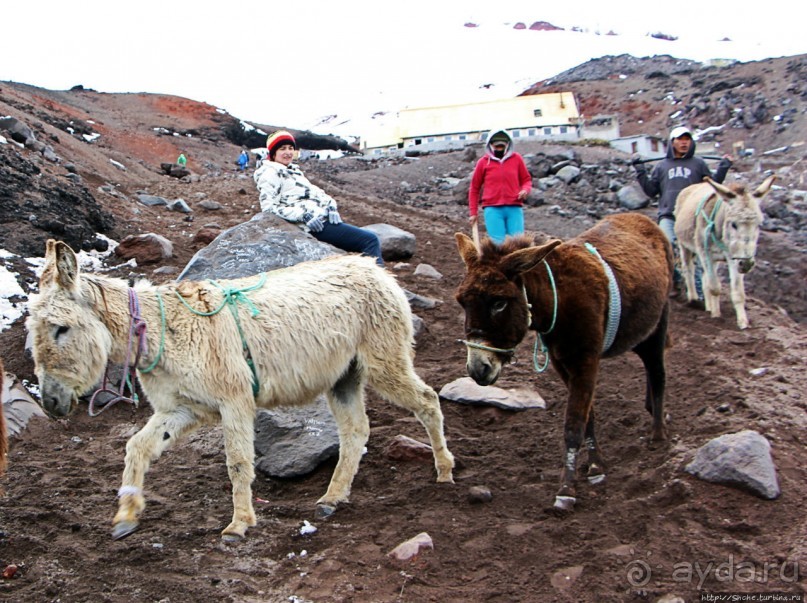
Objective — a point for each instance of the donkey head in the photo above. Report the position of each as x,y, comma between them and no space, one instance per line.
742,219
70,343
493,295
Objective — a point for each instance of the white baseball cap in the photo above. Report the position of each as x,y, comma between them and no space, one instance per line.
679,132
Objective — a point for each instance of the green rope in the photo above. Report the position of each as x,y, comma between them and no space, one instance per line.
555,298
709,231
231,298
152,366
539,341
614,301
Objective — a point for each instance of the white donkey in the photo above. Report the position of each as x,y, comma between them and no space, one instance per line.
286,336
719,224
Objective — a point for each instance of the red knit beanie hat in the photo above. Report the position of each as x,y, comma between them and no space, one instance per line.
277,139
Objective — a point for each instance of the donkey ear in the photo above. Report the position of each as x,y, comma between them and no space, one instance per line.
721,190
524,260
763,188
61,266
467,249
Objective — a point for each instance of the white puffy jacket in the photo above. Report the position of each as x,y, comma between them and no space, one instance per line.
286,192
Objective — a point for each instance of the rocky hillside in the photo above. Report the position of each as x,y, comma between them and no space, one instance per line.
761,103
91,151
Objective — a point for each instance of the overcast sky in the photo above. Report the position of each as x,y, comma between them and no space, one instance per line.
291,63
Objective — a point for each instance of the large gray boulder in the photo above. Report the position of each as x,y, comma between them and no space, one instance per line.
17,130
630,197
740,459
396,244
264,243
292,442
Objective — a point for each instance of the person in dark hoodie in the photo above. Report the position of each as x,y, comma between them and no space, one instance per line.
679,169
500,184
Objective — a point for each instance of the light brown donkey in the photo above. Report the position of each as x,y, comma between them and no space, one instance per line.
214,351
719,223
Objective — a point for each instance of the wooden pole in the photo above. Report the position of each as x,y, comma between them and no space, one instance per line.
475,232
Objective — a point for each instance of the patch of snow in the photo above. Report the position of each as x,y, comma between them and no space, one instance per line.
9,287
307,528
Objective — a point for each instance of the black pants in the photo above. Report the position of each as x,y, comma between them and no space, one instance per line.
351,238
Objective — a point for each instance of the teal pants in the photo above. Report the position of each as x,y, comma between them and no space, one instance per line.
504,221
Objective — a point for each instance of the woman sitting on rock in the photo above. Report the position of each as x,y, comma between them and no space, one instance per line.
287,193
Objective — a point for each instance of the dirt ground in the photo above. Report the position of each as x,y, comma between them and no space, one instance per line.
650,531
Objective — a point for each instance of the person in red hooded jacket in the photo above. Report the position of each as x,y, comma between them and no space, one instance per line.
500,184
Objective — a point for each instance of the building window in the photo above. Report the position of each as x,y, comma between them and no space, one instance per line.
634,147
654,145
548,131
537,113
563,129
531,132
430,139
516,133
462,136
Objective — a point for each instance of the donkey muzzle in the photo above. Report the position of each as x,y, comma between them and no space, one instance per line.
483,367
57,400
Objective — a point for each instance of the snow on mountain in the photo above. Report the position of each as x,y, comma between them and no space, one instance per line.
472,63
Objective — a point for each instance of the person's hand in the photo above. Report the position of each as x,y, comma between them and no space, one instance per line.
635,159
522,195
316,224
334,217
473,220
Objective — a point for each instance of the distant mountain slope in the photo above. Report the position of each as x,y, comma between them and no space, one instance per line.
762,103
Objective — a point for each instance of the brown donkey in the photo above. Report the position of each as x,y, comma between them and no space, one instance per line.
598,295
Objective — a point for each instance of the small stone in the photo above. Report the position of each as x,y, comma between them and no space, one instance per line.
403,448
479,494
412,548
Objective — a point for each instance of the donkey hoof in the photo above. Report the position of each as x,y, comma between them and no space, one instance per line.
325,510
231,538
564,504
595,480
123,529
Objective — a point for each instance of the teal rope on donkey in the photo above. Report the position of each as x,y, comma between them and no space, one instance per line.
709,234
614,303
540,346
232,296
